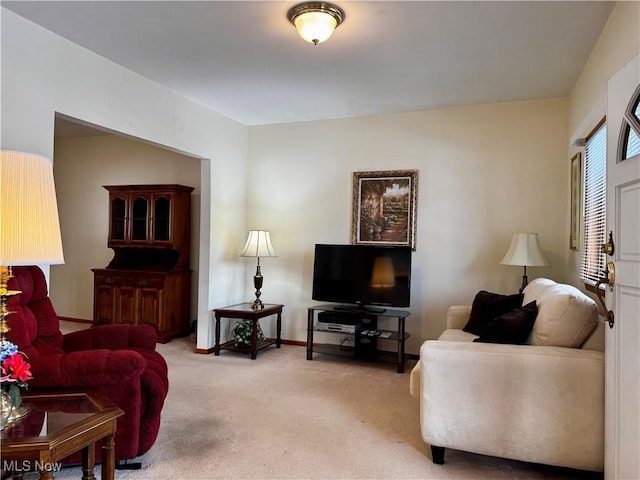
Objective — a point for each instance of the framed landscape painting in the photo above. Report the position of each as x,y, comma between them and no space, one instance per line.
385,208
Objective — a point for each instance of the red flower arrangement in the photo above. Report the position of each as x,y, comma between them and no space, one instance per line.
15,371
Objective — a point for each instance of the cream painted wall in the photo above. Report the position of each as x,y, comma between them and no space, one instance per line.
81,167
485,172
43,74
619,42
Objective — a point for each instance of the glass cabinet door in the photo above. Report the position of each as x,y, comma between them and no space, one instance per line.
118,218
162,218
139,218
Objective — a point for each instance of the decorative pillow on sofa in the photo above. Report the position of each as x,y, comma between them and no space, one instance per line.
486,306
566,316
511,327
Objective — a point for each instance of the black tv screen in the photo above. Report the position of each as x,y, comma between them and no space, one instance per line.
362,275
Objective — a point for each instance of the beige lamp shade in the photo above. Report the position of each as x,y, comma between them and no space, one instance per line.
29,224
258,245
525,251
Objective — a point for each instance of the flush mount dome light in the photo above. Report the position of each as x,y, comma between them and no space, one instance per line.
315,21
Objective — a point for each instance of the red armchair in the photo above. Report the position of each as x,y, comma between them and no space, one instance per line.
119,361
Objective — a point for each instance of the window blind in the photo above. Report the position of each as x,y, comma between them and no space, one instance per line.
594,212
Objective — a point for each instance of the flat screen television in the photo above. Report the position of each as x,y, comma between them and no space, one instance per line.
362,275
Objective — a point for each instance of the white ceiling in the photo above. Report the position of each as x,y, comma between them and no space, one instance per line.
245,60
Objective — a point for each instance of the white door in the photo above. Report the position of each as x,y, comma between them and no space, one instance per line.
622,440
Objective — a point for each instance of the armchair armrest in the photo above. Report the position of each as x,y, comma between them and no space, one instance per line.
93,368
534,403
458,316
111,337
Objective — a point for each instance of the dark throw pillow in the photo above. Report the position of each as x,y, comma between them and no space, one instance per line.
486,306
511,327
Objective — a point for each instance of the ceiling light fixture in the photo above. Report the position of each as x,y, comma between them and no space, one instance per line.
316,21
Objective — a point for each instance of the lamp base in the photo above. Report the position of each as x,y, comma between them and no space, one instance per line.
525,280
257,304
5,275
257,284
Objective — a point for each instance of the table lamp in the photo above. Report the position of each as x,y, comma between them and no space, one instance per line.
258,245
525,251
29,224
29,227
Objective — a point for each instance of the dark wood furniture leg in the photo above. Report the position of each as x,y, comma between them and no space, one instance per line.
437,455
108,457
88,462
278,329
254,339
216,348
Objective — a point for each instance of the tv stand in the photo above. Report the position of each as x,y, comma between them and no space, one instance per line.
365,333
359,308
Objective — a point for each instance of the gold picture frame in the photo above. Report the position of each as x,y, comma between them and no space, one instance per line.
385,208
576,195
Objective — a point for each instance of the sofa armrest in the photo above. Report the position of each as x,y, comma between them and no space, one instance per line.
86,369
111,337
458,316
532,403
414,381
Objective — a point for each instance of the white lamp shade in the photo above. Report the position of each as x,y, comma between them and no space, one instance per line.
258,245
29,224
315,27
525,251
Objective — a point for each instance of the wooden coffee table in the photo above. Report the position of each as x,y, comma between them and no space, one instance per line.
56,426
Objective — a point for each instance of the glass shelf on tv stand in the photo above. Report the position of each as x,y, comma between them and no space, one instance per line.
399,335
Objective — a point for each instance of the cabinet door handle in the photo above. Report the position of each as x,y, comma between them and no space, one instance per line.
109,280
143,283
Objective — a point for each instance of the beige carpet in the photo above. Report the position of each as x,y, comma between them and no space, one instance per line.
283,417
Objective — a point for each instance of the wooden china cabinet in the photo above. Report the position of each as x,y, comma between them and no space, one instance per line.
148,281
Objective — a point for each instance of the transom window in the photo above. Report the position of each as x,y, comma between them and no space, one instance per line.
630,145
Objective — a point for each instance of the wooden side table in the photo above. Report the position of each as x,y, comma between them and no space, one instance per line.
56,426
243,311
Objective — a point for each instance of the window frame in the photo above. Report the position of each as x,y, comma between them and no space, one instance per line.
594,222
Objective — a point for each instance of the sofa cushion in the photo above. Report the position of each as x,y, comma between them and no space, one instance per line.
596,340
487,306
534,289
456,335
511,327
566,316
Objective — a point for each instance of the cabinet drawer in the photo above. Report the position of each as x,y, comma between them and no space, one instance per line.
113,280
130,279
147,281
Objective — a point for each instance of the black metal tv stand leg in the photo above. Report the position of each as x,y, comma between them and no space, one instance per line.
310,334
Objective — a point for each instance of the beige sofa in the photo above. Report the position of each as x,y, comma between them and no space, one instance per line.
541,402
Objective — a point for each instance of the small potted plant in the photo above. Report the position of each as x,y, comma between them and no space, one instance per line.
242,333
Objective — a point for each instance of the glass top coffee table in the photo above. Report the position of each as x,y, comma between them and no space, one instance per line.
56,426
